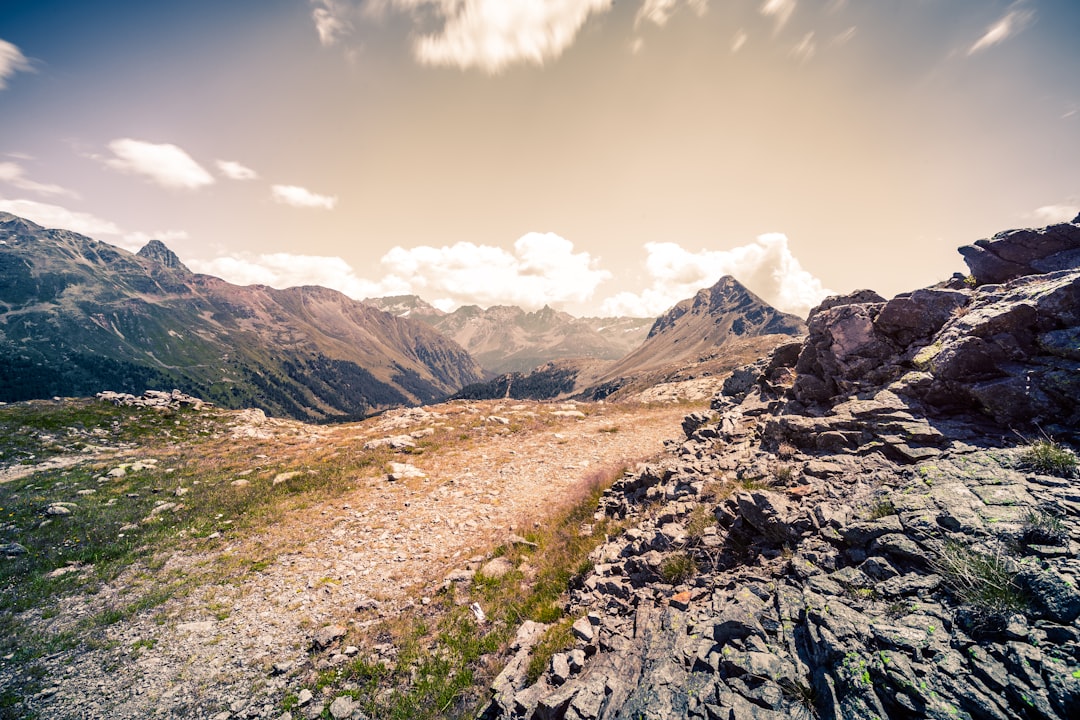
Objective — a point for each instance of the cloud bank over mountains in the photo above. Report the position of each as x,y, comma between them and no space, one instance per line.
542,269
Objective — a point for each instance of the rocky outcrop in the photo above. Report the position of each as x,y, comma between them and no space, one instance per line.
852,533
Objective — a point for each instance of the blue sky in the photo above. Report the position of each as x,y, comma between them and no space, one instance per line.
600,157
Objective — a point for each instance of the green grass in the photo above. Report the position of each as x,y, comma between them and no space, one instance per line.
1047,457
984,581
1041,528
678,568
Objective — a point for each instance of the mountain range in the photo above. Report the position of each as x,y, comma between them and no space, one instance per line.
505,338
78,316
717,330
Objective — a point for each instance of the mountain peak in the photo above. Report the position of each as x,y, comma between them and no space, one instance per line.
159,252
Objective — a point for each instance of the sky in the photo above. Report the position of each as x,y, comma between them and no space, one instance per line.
601,157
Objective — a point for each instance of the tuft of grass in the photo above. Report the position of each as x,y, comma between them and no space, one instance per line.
1041,528
1047,457
984,581
880,509
701,519
678,568
556,638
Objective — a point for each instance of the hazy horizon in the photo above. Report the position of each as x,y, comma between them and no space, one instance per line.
601,158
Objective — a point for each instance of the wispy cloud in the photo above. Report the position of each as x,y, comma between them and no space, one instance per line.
13,174
540,269
302,197
739,40
55,216
659,12
235,171
165,164
767,267
1053,214
1016,19
493,34
805,49
11,61
331,20
781,10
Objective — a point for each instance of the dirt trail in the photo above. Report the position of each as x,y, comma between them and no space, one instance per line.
393,542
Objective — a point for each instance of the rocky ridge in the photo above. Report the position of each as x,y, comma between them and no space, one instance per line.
853,532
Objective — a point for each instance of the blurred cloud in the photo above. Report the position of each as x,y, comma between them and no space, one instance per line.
55,216
541,269
331,21
165,164
13,174
740,39
805,49
1012,22
767,267
492,34
302,197
660,11
1053,214
235,171
779,9
11,61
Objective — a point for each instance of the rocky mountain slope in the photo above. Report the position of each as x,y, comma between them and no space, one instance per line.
78,316
859,528
505,338
706,336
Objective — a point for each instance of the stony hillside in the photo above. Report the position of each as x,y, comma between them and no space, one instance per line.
79,316
879,522
506,339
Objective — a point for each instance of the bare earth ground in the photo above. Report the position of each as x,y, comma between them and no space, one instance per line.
212,651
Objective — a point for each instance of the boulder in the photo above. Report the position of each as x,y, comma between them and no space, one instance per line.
1015,253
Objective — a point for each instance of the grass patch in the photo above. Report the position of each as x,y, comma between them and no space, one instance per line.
881,509
678,568
1047,457
984,581
557,638
1040,528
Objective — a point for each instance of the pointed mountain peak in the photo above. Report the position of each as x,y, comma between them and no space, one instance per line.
14,225
157,251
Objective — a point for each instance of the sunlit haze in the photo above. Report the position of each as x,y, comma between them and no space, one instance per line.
600,157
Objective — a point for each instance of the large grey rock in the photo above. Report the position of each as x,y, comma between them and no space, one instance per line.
1014,253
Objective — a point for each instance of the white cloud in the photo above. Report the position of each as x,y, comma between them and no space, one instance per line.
330,20
165,164
740,39
844,37
659,12
541,269
805,49
767,267
134,241
302,197
493,34
15,175
235,171
780,9
11,61
1053,214
1015,20
54,216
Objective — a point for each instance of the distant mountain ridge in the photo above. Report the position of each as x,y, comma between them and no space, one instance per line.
506,338
78,316
711,333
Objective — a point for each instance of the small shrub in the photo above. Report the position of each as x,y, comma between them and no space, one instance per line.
678,568
984,581
784,474
786,451
880,509
1047,457
1043,529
